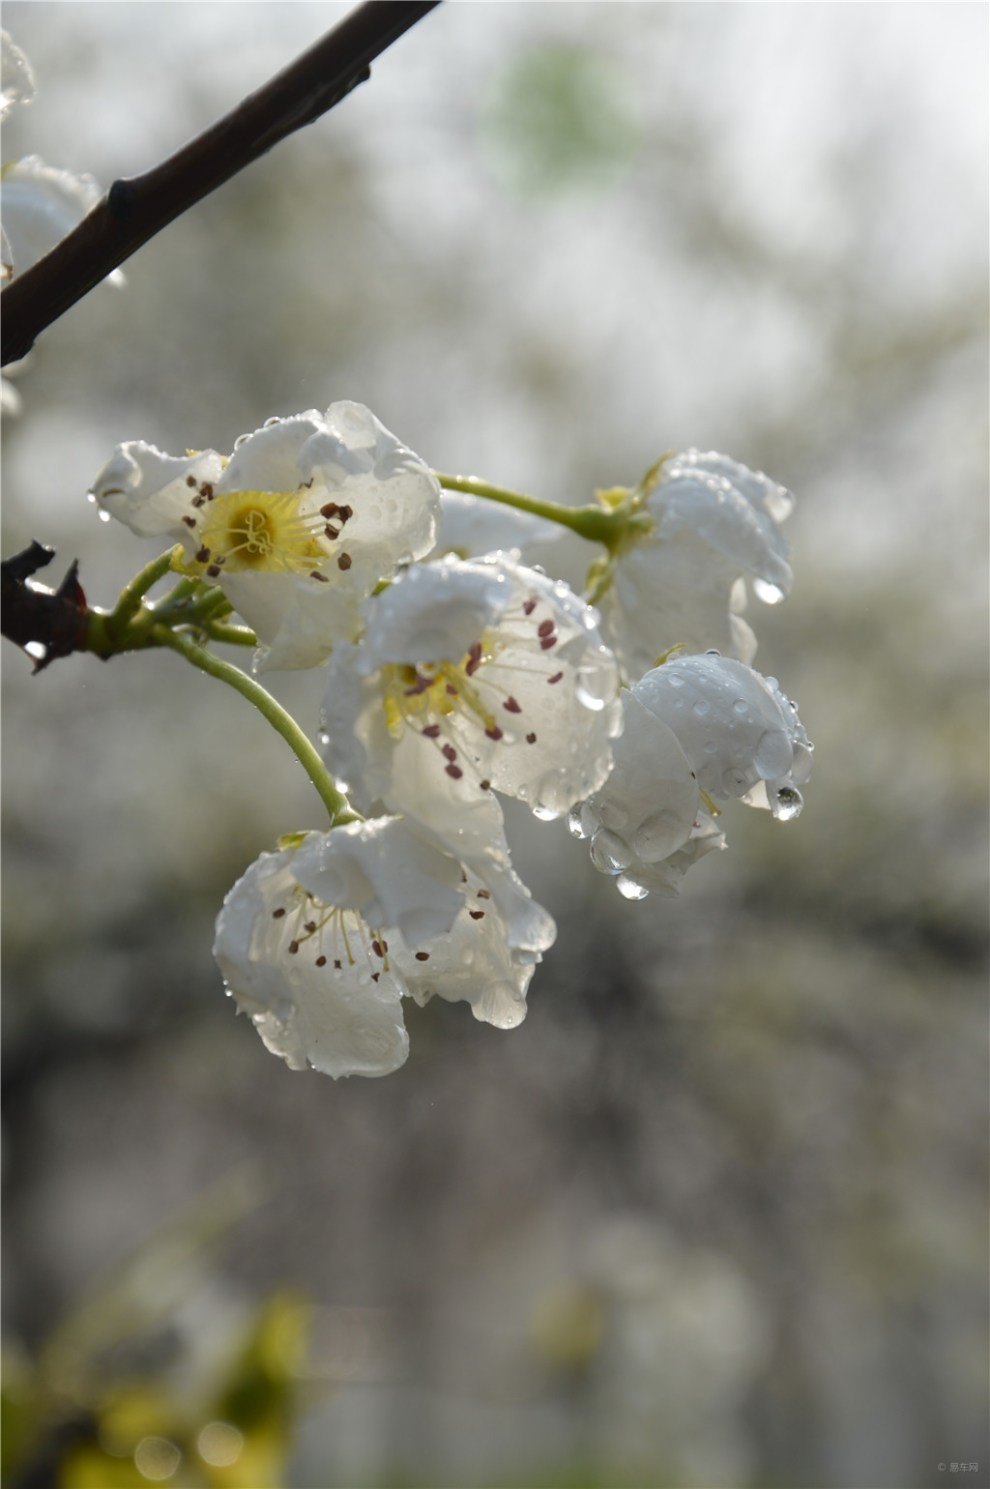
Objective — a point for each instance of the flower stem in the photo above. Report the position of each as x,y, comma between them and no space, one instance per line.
282,722
133,593
591,522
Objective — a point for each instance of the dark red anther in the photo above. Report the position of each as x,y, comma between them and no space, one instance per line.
511,705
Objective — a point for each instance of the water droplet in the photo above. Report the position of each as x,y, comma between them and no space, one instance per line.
104,516
713,651
674,681
576,822
630,888
741,707
786,803
609,853
545,813
701,707
770,594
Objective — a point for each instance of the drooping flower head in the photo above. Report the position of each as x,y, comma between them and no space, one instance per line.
301,522
684,583
318,943
698,730
471,676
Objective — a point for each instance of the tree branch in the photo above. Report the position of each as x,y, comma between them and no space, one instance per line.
46,623
138,207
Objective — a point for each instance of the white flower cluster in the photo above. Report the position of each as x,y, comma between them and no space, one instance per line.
452,677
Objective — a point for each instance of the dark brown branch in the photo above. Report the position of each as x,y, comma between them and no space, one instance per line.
137,208
47,623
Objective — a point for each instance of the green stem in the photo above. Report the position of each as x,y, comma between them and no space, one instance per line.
230,635
282,722
134,592
591,522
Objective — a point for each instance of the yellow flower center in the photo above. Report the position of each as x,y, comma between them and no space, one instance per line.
433,690
260,530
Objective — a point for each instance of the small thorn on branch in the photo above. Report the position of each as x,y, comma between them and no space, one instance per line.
46,623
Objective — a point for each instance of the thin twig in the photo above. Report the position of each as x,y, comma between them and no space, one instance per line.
138,207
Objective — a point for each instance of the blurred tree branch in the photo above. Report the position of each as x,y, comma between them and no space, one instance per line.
137,207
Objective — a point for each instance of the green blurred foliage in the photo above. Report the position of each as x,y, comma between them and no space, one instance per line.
561,118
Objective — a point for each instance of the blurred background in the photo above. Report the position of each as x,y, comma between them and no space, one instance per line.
715,1214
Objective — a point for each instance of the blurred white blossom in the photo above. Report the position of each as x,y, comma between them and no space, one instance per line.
16,77
470,528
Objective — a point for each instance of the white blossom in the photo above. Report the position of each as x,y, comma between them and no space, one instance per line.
319,942
301,522
715,530
472,676
471,527
698,730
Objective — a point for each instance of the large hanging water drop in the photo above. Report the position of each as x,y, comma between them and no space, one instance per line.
786,803
609,853
630,888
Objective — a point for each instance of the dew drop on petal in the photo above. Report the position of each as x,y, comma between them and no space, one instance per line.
103,516
701,707
545,812
609,853
741,707
581,821
786,803
630,888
